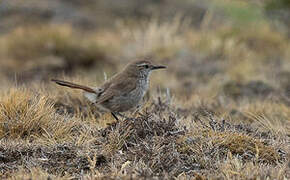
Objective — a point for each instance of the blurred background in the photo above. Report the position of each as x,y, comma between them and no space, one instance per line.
236,48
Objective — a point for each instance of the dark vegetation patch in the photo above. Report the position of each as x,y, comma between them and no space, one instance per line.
251,89
57,159
90,14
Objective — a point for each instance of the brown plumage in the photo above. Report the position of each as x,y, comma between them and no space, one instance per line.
123,91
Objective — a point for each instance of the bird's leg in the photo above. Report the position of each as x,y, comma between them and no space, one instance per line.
114,115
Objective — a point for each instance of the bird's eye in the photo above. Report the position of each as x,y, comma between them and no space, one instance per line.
146,66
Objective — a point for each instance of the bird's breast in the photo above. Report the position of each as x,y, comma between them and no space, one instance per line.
142,87
138,93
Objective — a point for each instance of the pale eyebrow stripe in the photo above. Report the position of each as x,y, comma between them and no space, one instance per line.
142,64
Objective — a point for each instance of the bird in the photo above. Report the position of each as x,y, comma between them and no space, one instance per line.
123,91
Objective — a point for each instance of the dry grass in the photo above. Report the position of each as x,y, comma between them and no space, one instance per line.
270,116
162,141
26,115
239,144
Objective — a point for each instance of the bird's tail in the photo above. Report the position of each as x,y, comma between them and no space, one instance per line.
73,85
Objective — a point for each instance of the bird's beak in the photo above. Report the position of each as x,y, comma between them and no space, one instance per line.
158,67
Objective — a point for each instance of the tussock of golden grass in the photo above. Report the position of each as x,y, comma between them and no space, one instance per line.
26,115
234,168
269,116
239,144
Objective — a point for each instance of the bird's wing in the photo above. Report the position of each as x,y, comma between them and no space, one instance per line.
116,88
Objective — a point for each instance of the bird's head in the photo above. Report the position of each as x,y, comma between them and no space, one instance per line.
143,67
